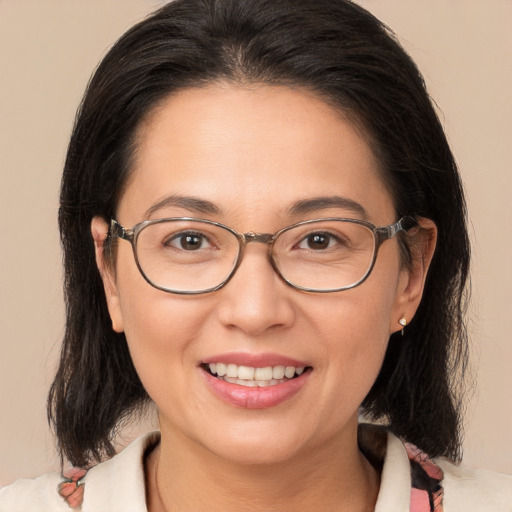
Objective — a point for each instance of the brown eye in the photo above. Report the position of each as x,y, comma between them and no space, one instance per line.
318,241
188,241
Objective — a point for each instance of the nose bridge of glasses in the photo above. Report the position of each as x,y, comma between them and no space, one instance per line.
262,238
246,238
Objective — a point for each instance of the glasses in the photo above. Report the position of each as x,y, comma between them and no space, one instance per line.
186,255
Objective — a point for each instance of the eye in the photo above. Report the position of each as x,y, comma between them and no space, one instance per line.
188,241
319,241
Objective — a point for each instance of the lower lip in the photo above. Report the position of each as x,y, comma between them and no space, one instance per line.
255,398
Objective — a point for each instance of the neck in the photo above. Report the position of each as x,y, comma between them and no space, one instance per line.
181,475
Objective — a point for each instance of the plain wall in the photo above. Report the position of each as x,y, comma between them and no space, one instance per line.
48,48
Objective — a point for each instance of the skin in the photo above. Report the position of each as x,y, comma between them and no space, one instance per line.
253,151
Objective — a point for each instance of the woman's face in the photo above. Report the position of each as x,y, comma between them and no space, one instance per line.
250,155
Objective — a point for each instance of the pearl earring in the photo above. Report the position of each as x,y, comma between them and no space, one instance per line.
403,323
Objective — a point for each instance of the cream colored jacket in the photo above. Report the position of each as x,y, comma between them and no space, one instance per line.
118,486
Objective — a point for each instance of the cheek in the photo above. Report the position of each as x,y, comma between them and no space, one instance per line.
358,336
353,334
162,338
358,318
157,321
160,328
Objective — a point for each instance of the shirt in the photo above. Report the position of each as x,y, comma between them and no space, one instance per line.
117,485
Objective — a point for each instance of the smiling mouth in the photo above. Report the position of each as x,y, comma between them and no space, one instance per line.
254,377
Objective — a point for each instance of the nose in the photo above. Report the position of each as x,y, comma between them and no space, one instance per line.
256,300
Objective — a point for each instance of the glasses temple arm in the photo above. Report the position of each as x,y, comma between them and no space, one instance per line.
404,224
116,230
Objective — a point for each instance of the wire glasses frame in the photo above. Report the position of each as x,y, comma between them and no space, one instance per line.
380,235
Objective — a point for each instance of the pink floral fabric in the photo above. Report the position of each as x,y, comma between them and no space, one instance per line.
72,487
426,491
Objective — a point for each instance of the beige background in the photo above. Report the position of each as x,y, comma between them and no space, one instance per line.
48,49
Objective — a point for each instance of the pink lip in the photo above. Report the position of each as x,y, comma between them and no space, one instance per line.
255,398
255,360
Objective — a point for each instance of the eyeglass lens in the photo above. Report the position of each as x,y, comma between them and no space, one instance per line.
191,255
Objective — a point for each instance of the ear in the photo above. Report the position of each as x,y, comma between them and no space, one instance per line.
422,243
99,231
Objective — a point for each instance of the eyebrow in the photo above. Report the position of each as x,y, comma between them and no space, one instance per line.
191,203
197,205
322,203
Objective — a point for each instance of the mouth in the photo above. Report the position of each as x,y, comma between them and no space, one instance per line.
255,381
252,377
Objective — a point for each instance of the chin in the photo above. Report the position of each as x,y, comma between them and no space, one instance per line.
257,454
240,446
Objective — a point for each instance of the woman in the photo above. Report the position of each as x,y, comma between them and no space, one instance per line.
264,234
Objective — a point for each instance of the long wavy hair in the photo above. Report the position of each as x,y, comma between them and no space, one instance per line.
344,55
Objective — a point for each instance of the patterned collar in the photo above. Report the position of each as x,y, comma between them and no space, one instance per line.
426,476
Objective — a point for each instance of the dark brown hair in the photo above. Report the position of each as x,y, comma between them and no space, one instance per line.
340,52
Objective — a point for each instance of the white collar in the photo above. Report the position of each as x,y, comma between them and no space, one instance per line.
119,483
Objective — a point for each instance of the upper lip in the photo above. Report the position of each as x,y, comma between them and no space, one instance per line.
255,360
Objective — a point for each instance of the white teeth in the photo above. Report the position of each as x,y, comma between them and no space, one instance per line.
289,372
232,370
246,372
252,377
278,372
253,383
263,373
249,383
221,369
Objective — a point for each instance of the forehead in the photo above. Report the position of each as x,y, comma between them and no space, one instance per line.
250,150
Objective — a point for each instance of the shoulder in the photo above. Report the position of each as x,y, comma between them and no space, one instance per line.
474,489
410,480
38,494
117,484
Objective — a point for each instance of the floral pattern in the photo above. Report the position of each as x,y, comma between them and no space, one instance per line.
426,491
72,487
